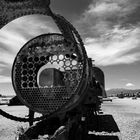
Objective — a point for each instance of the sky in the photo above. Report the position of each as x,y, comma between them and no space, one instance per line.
110,30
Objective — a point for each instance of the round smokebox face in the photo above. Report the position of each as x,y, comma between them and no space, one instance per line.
47,72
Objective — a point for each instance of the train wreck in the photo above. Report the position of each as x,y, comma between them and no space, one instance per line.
52,75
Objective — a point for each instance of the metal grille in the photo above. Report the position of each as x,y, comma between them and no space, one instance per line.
45,52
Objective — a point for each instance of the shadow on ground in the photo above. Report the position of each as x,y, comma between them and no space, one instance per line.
93,137
103,123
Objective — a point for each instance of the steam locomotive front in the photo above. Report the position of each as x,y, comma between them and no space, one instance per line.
51,73
48,73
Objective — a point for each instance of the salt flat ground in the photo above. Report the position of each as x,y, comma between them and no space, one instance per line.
126,113
8,128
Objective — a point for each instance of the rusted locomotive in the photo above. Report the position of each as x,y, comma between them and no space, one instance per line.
52,75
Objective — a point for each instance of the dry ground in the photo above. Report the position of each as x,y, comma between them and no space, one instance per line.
8,128
126,113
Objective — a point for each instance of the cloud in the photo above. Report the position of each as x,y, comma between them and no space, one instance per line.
103,9
102,15
129,85
120,46
108,36
15,34
5,79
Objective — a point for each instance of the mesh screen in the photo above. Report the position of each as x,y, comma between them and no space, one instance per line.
49,51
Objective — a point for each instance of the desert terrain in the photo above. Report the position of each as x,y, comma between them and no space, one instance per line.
126,113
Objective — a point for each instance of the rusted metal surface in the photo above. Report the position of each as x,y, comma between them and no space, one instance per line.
52,75
60,60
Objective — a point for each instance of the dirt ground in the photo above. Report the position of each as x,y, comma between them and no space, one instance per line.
8,128
126,113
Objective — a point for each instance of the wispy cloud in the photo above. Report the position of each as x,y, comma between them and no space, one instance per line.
15,34
5,79
117,47
109,38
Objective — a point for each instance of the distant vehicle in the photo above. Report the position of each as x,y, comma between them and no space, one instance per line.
121,95
134,98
